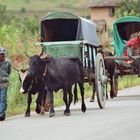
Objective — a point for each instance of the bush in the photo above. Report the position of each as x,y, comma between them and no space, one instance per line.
23,10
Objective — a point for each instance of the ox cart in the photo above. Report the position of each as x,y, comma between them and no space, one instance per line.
68,35
124,29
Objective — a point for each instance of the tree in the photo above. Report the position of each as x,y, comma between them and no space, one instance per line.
128,8
30,24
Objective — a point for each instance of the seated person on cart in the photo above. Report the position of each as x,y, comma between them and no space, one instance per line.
132,49
133,46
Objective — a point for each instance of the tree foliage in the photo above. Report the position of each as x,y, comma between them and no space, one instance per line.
17,34
128,8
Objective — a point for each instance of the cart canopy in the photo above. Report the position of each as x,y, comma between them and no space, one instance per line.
123,28
64,26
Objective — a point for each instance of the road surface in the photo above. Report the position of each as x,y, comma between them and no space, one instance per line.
120,120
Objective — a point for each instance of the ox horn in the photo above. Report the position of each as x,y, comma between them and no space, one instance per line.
16,69
26,54
41,52
24,70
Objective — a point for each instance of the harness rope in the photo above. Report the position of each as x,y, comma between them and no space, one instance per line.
45,71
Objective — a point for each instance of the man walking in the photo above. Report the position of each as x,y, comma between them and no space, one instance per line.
5,70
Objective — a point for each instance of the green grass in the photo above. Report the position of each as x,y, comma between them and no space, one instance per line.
32,6
43,4
128,81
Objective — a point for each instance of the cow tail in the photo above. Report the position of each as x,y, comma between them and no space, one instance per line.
75,93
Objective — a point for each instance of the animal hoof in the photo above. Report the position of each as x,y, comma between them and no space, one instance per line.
67,113
27,115
111,96
38,111
42,111
83,109
52,114
47,108
91,100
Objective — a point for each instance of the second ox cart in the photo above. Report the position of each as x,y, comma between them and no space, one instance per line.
124,29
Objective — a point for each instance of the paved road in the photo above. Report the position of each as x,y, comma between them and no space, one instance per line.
120,120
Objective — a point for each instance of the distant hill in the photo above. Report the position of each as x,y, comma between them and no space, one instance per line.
40,7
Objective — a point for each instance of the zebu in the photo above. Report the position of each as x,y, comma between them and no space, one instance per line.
57,73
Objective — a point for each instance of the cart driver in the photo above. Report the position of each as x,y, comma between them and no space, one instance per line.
133,46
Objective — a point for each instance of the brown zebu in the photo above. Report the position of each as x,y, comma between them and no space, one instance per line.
32,91
110,70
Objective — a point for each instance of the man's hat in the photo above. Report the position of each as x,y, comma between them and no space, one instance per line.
2,50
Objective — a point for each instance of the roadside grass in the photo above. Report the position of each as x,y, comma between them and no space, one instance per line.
128,81
32,7
17,102
38,5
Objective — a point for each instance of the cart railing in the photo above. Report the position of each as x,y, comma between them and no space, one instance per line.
122,57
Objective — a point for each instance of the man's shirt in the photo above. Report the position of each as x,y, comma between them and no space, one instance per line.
5,70
132,47
133,42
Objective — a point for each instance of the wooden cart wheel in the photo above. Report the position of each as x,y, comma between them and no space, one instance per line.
115,86
100,81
